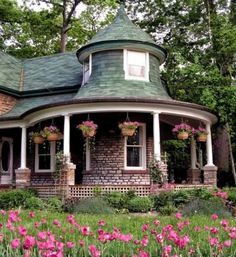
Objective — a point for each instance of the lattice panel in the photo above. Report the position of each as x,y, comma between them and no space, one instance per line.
47,191
88,191
197,186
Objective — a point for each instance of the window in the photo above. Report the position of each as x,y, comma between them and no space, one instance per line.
45,156
87,69
136,65
135,150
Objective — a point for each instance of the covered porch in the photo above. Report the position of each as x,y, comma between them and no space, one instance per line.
112,163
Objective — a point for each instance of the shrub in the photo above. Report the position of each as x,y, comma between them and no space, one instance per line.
205,207
168,209
180,197
164,198
94,205
116,200
54,204
140,204
14,198
34,203
201,193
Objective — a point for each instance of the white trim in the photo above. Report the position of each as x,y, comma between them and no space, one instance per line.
96,107
52,158
90,69
7,177
156,136
126,66
142,128
23,147
88,155
209,146
66,144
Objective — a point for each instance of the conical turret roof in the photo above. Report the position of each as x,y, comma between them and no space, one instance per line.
121,33
121,29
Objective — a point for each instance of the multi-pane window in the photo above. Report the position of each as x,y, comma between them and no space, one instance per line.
135,150
136,65
45,156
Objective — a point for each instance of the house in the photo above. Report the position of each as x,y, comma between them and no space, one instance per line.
113,78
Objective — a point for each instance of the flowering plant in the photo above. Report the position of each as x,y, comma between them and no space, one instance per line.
182,127
129,125
200,131
33,134
87,126
51,130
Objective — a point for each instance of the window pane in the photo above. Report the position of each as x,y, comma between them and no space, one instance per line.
136,58
137,71
134,140
44,148
134,157
44,162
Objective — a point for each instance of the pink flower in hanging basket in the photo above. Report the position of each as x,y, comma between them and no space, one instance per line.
182,127
129,125
88,128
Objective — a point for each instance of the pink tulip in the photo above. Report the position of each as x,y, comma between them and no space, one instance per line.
81,243
22,230
214,216
213,241
227,243
15,243
70,245
94,251
85,230
178,215
29,242
145,227
101,223
31,214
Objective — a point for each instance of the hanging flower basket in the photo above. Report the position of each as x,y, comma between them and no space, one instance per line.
128,128
202,138
52,133
182,131
182,135
38,140
37,137
88,128
201,134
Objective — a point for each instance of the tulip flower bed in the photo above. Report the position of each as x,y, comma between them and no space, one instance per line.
58,234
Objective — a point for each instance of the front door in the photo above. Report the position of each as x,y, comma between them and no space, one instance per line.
6,160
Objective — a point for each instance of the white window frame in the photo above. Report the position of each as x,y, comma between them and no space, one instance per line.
142,138
126,66
52,158
90,69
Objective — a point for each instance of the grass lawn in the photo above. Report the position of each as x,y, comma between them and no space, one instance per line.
47,234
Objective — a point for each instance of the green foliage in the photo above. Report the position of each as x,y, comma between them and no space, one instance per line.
205,207
231,194
94,205
116,200
168,209
155,172
14,198
34,203
54,204
139,204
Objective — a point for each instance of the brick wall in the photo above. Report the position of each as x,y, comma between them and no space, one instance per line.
6,103
107,163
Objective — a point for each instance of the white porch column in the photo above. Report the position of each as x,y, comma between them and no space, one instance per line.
193,154
23,148
209,146
66,146
156,136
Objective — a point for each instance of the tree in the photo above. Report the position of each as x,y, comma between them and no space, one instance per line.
200,37
36,28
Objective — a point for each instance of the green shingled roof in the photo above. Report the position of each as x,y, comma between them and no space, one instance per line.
10,71
122,28
41,73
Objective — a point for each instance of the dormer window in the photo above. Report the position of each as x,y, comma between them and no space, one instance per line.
87,69
136,65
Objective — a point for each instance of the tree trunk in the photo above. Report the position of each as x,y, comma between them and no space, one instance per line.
231,152
63,41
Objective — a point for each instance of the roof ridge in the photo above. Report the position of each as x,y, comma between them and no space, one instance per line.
49,56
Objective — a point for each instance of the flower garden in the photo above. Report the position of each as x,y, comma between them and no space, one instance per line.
28,231
52,234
